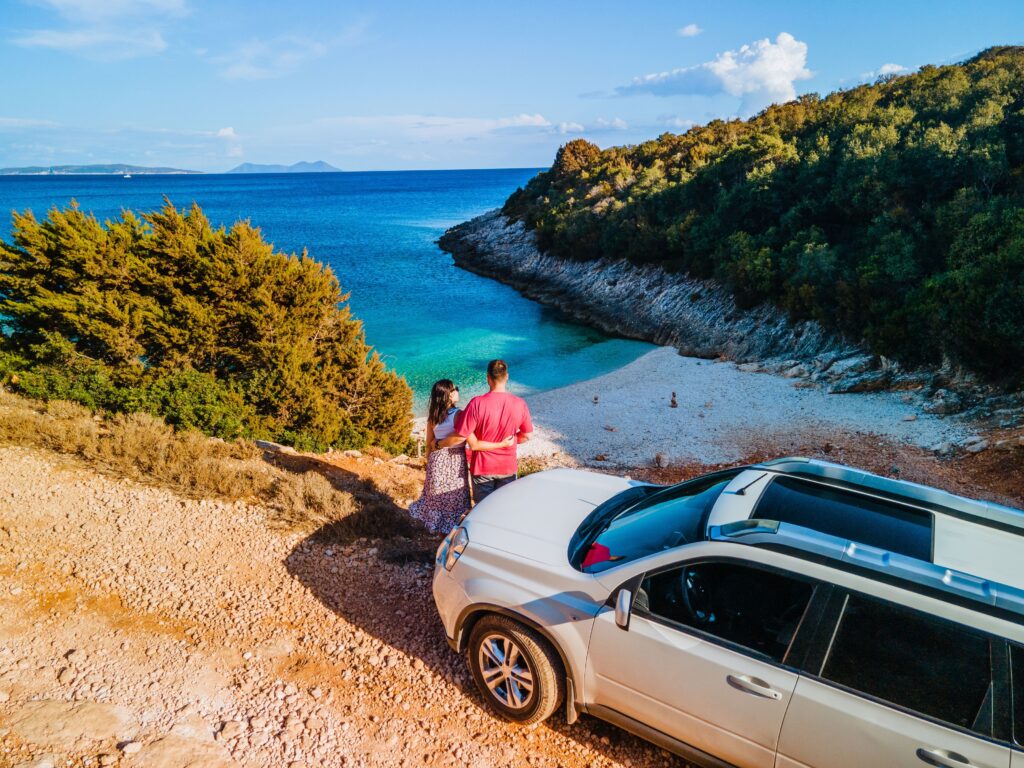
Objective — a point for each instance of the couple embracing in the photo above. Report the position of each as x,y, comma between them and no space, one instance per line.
491,427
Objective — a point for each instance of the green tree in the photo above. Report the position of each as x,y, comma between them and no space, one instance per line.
209,328
888,212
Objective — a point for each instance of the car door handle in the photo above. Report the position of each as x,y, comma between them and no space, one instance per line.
943,758
754,685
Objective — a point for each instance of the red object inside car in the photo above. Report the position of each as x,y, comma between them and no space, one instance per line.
598,553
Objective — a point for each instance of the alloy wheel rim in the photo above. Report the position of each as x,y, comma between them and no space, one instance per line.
506,671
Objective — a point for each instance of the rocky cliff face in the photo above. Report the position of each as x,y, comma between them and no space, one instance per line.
699,317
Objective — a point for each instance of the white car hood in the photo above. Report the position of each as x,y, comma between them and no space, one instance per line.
536,516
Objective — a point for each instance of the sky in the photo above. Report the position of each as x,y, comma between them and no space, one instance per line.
209,84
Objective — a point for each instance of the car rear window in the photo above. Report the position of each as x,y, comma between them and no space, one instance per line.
667,519
848,515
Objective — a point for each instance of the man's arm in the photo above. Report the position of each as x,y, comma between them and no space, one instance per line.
525,426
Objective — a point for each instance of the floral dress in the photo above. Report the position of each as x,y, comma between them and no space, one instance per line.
445,496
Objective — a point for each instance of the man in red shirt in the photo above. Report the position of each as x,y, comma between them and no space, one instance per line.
494,417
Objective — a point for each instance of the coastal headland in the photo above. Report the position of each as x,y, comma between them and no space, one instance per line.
812,367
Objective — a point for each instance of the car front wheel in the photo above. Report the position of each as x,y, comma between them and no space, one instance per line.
516,670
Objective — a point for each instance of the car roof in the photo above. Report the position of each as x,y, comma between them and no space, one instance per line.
878,564
985,513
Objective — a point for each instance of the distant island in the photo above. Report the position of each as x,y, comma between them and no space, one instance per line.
318,167
89,170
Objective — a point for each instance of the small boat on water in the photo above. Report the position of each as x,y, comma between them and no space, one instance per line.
127,175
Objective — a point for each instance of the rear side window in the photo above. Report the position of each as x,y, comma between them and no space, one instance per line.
915,661
1017,670
760,610
851,516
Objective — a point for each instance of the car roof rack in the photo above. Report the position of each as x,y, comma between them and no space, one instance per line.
900,570
982,512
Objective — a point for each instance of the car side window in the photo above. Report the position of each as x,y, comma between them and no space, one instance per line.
1017,673
752,607
915,661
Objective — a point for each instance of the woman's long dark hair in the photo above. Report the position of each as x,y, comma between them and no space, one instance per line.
440,400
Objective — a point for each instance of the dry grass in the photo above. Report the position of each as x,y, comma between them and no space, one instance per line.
528,465
145,449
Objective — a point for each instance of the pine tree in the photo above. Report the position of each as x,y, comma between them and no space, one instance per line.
210,328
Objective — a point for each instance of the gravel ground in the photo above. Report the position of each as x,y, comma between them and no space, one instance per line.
142,629
719,408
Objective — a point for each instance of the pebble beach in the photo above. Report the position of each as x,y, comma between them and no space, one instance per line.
626,416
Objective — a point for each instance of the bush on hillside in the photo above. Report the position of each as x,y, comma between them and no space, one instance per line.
208,328
891,212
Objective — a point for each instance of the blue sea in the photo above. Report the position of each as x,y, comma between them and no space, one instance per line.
378,231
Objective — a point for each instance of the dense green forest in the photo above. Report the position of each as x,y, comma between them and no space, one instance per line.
892,212
209,328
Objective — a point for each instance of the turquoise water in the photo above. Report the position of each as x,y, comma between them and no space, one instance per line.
427,318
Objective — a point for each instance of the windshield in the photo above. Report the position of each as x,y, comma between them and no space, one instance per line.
667,518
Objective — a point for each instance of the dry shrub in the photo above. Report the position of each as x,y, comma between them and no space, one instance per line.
376,453
139,446
529,465
309,500
146,449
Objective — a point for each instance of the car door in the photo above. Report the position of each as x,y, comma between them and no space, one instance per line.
1017,676
898,687
702,660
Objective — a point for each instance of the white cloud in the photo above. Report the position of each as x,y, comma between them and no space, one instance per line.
690,30
600,125
94,10
231,139
523,121
884,71
108,30
759,74
103,44
615,124
434,127
674,121
267,59
15,123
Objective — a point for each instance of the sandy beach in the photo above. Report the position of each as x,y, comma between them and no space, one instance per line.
625,416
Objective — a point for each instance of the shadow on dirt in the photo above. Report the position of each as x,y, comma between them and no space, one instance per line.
387,594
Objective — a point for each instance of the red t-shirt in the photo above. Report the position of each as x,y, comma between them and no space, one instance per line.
493,417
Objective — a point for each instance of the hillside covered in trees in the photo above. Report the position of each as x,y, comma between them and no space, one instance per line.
891,212
209,328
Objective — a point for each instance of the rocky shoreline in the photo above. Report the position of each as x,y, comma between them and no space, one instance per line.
701,319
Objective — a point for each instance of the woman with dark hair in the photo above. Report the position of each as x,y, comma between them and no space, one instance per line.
445,496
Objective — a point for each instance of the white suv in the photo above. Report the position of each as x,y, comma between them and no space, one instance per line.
794,613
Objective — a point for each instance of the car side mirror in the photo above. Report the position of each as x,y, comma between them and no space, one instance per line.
623,604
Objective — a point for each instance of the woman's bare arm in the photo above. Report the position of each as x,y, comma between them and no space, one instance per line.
430,437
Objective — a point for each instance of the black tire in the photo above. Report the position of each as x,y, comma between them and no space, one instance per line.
538,657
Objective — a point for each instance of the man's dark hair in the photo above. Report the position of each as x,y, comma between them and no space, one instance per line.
497,370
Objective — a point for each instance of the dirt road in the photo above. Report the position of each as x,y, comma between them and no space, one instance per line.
138,628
